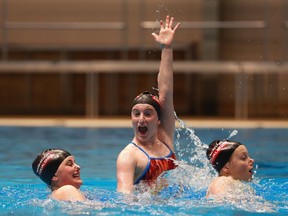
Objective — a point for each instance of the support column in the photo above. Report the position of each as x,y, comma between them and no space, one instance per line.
92,94
210,93
210,35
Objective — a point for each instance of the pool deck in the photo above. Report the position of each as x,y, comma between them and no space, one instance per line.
126,122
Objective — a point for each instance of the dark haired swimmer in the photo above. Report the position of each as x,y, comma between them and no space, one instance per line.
151,151
57,168
232,162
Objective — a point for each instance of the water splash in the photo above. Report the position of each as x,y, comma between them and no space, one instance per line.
189,146
194,173
233,133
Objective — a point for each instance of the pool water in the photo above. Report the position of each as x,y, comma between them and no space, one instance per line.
96,150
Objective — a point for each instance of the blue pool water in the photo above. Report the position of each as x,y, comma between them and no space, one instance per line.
96,150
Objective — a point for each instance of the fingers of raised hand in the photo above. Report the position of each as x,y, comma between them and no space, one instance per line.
168,24
176,26
171,22
161,24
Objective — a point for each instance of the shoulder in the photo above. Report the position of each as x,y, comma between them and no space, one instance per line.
67,188
220,185
127,155
68,193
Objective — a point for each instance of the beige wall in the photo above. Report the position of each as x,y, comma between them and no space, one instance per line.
196,94
267,44
131,14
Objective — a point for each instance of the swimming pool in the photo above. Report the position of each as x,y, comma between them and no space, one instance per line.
96,150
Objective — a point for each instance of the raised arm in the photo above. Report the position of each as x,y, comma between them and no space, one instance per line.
165,81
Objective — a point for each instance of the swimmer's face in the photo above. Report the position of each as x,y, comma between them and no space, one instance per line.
240,165
145,121
68,173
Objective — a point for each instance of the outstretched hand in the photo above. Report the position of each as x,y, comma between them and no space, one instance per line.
166,33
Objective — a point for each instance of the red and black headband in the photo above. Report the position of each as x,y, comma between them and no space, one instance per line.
219,152
46,164
148,98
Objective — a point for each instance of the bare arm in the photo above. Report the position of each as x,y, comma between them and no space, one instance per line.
125,172
165,81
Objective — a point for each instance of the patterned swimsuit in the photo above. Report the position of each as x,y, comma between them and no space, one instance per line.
156,166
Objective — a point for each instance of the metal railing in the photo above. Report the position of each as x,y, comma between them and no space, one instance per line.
213,24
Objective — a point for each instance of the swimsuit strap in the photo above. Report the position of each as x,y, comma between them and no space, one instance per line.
141,150
147,166
171,152
150,160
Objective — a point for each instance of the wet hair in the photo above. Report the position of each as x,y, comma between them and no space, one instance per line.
220,151
46,163
148,98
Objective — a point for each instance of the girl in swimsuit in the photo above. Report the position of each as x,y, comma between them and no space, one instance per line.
153,123
57,168
231,160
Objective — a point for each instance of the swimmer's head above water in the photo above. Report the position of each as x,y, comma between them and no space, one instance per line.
219,152
46,164
233,164
148,98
